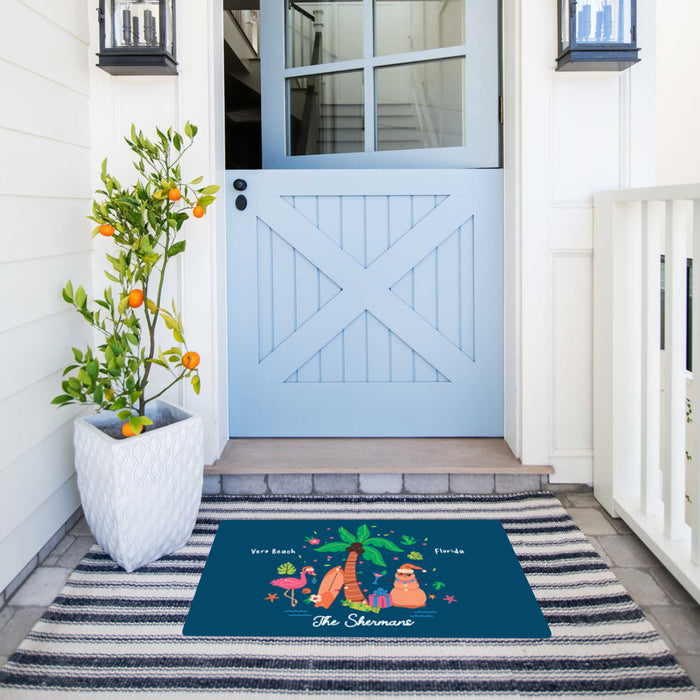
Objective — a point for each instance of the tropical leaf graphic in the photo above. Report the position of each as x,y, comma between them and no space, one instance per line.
415,555
405,539
286,568
437,585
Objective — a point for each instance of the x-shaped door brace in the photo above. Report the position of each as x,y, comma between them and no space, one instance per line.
367,288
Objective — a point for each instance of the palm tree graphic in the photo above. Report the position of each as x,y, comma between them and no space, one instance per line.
362,543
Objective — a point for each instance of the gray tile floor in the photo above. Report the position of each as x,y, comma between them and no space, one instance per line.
666,604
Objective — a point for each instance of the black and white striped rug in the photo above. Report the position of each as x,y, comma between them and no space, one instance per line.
112,634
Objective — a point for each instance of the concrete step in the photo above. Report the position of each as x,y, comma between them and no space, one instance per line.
361,484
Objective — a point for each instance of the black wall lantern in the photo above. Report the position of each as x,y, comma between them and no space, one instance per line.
597,35
137,37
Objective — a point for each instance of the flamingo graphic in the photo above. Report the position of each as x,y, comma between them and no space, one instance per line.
290,584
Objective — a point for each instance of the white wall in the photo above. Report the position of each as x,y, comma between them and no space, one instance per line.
574,134
199,281
45,239
678,91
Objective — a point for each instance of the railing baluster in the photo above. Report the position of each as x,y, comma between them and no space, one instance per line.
675,420
694,486
651,357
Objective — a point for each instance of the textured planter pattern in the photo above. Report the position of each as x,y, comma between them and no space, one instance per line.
141,495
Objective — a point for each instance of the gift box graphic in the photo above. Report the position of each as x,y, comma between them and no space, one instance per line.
381,598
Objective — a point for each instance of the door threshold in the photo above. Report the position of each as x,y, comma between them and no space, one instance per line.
370,456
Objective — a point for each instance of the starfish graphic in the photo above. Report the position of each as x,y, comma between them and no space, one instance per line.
271,597
431,596
450,599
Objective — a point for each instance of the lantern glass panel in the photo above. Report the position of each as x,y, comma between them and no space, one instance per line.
565,6
603,22
138,25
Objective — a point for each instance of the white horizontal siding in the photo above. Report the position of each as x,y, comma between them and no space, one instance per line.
69,120
69,15
17,548
36,43
34,286
27,416
36,350
34,165
44,195
25,234
32,478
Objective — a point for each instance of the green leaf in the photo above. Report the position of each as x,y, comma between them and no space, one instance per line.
363,533
84,377
332,547
382,542
77,354
415,555
211,189
92,369
61,399
197,180
144,420
176,248
80,297
68,292
170,322
374,555
196,384
189,130
178,336
347,537
123,305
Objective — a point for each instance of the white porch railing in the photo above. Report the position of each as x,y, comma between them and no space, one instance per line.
641,473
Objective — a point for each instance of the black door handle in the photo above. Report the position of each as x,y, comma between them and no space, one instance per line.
241,202
239,185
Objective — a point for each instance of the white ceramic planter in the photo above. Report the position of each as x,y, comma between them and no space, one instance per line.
141,495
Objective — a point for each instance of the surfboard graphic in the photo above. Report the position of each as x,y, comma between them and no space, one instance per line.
331,585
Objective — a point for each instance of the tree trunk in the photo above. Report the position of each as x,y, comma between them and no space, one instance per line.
350,584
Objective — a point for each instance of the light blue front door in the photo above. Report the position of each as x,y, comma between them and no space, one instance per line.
366,303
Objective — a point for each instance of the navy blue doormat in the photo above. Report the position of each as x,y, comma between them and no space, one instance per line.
385,578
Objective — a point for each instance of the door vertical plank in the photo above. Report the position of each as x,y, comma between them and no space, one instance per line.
332,369
265,307
466,281
399,216
308,302
355,350
283,289
377,351
353,228
448,289
376,226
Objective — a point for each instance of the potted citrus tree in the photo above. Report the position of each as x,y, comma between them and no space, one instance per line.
139,459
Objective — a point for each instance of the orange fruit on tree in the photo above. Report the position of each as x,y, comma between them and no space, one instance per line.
135,298
128,431
106,230
174,194
198,212
190,360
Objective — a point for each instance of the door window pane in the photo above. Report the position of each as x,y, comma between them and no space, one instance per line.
326,113
323,32
416,25
420,105
603,21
